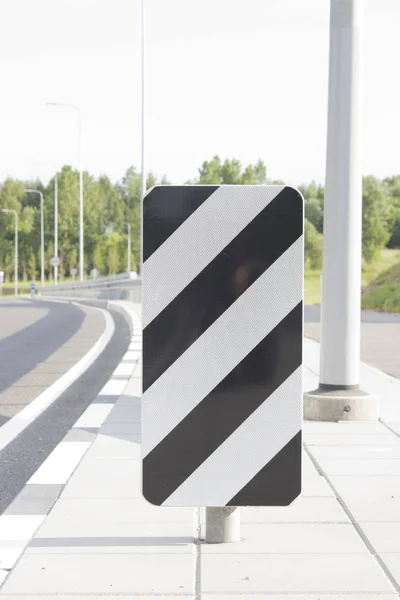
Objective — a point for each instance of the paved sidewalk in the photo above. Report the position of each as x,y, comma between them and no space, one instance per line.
340,540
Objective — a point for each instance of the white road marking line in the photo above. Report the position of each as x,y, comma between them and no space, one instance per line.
60,464
124,369
94,415
27,415
114,387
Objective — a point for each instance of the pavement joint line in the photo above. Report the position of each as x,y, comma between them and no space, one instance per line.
14,426
389,428
356,525
196,584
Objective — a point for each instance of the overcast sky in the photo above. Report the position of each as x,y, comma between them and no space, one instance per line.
244,79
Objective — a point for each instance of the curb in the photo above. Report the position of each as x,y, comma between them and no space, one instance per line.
28,511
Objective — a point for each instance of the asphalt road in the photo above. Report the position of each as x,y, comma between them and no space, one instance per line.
43,335
380,337
39,342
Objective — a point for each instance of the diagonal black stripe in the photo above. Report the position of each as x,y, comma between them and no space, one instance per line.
278,483
224,279
166,208
246,387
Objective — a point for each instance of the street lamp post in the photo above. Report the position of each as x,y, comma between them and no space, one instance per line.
14,212
338,396
30,191
56,228
79,120
129,247
143,175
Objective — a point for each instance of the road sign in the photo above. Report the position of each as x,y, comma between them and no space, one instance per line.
55,261
73,272
94,273
32,287
1,276
222,345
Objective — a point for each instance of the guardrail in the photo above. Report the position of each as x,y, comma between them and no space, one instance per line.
125,286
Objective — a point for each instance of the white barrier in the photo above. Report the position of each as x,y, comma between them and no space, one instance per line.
125,286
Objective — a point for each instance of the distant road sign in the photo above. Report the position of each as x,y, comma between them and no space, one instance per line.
55,261
32,287
73,272
222,345
1,276
94,273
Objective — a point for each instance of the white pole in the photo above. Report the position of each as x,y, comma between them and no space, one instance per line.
338,396
129,248
81,247
56,227
341,292
30,191
222,525
41,239
81,241
16,255
143,174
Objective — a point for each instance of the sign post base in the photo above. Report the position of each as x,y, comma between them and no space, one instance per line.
222,525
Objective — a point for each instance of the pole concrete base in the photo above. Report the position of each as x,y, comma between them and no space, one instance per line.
340,405
222,525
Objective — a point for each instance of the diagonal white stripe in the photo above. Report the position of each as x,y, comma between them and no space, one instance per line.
203,236
246,451
222,346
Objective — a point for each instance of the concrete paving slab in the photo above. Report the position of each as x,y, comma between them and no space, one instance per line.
125,414
77,434
94,415
385,537
305,596
395,427
114,518
34,500
370,498
104,479
107,447
119,429
361,467
116,573
292,539
315,486
392,561
132,595
134,385
303,510
382,439
350,427
381,486
126,400
168,538
292,573
355,452
375,508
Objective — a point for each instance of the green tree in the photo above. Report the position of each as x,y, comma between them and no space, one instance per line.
312,246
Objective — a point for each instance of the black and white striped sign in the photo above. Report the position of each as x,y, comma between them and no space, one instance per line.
222,345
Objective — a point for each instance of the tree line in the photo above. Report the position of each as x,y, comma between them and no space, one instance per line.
109,207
